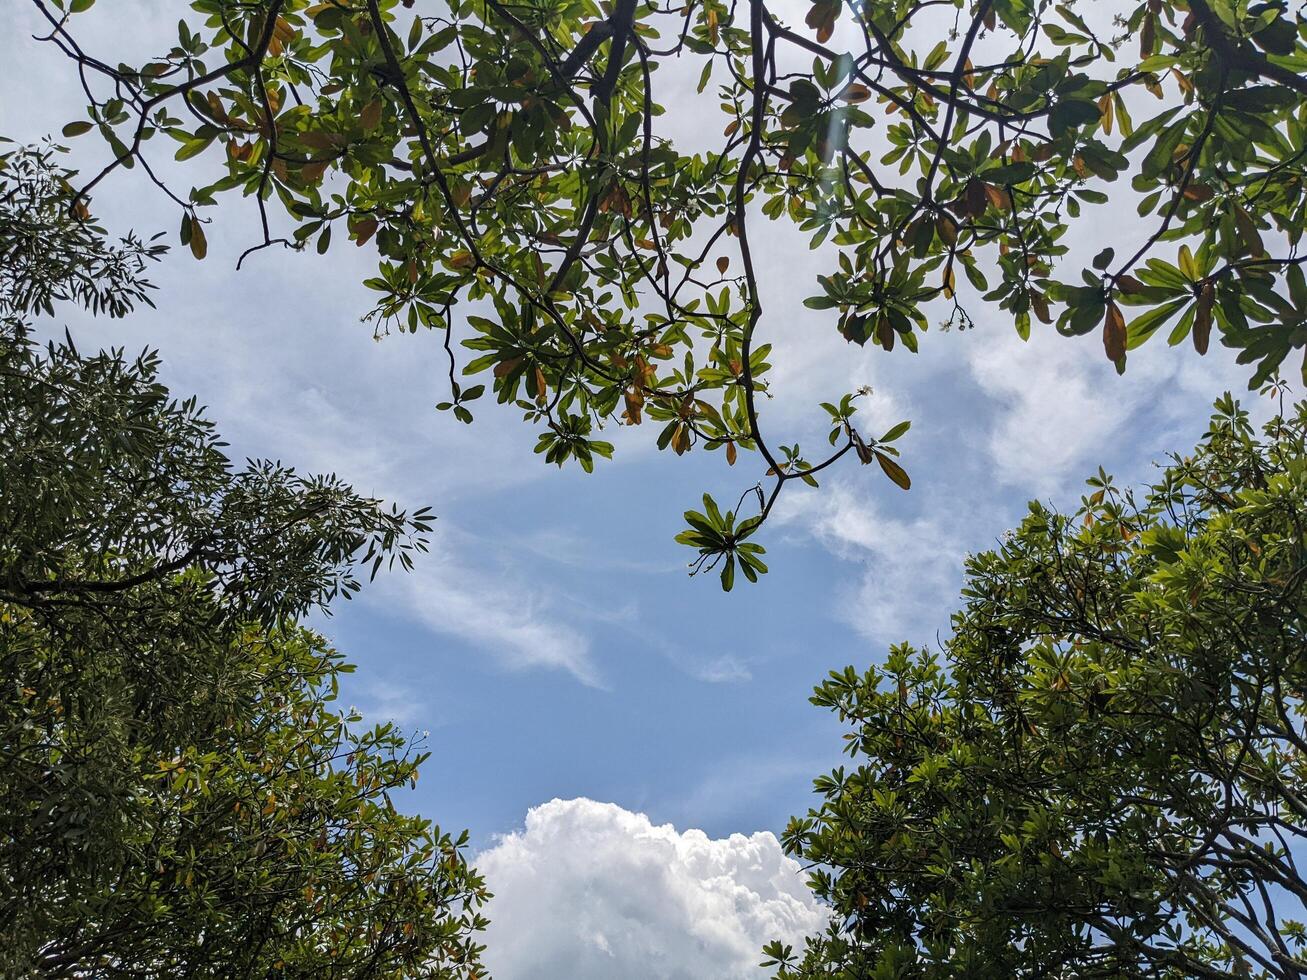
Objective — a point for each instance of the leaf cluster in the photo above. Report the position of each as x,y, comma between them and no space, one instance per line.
506,162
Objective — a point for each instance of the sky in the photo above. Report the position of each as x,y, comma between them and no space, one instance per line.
623,742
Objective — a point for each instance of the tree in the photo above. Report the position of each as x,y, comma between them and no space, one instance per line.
182,797
1102,775
50,251
506,160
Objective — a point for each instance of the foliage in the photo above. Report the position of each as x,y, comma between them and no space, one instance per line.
182,797
1102,777
508,163
50,250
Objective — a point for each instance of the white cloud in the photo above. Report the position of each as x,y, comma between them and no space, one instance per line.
518,623
912,566
1053,407
1061,405
589,890
514,622
382,701
725,669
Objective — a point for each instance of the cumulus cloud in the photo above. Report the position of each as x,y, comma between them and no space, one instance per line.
590,891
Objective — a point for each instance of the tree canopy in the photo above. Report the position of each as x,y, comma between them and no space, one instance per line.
508,163
182,796
1101,775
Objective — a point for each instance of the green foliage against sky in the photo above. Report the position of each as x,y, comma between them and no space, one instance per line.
181,795
508,163
1102,774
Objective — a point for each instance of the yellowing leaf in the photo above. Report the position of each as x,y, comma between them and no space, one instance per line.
370,115
1114,333
855,92
894,471
364,229
199,244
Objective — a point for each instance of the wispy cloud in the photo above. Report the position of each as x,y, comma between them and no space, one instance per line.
519,625
726,669
380,701
1061,409
912,566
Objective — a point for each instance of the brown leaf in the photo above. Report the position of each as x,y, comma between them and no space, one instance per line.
722,263
282,30
1129,285
894,471
855,92
681,440
974,197
998,197
370,115
634,406
1039,304
1114,333
1182,80
311,173
505,368
364,229
199,244
885,334
947,229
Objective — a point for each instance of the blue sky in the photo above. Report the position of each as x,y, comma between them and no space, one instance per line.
552,644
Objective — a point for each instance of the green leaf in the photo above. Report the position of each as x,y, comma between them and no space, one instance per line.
896,431
1146,324
1071,114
